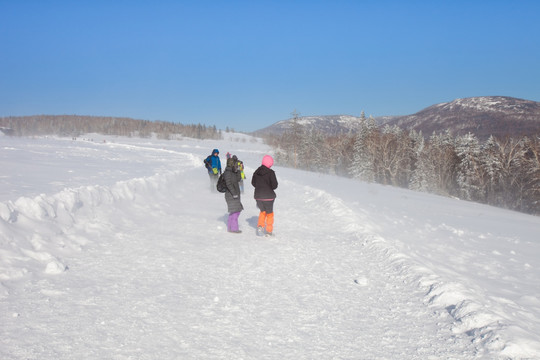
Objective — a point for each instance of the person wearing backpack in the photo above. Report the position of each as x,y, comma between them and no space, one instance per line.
265,182
240,167
232,177
213,165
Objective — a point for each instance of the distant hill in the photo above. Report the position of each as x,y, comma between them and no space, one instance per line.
482,116
329,124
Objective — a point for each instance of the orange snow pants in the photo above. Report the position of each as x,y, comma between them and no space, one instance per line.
266,220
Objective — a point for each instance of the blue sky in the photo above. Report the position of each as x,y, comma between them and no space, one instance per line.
248,64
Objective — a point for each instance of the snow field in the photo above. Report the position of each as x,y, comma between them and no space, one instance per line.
144,268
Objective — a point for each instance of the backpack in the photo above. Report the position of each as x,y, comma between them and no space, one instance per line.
208,162
221,185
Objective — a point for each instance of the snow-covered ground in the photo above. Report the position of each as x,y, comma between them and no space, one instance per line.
114,248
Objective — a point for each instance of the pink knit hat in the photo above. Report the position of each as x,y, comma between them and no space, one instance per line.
268,161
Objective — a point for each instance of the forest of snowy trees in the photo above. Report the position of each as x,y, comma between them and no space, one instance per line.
503,172
74,125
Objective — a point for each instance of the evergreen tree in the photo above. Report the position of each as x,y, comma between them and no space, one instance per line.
435,170
470,177
363,161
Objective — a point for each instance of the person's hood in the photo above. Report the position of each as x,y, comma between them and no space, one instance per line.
262,170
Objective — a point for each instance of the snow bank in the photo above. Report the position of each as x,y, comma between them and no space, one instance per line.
35,233
491,327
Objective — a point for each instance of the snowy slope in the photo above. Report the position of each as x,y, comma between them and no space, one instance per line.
117,249
328,124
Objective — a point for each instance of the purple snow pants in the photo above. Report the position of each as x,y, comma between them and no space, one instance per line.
232,223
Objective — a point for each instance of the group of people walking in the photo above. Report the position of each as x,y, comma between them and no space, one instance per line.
263,180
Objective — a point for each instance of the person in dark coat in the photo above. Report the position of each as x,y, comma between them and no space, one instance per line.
232,196
265,182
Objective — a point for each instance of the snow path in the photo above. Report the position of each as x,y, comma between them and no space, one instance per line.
171,291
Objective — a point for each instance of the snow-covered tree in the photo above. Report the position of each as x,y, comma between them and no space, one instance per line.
493,168
363,159
395,156
471,174
435,170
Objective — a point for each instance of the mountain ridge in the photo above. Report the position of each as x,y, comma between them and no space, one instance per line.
483,116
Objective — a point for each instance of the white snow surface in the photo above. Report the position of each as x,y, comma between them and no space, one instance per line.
115,248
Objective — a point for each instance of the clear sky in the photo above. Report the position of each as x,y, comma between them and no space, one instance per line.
247,64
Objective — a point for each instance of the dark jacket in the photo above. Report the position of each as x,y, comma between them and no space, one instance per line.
232,179
265,182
